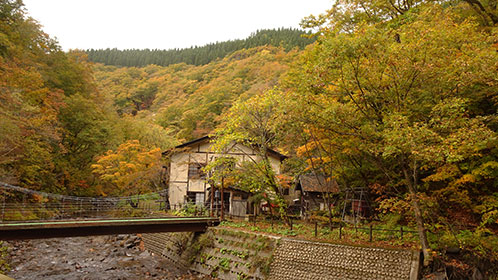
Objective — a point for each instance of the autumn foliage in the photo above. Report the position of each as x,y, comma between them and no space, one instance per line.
399,97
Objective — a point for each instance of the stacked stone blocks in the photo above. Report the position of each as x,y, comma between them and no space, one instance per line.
232,254
295,259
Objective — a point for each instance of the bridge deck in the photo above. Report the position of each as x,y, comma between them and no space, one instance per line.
51,229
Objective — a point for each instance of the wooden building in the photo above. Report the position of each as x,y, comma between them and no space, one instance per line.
187,181
310,189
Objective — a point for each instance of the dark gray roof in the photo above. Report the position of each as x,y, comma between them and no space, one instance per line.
318,183
195,141
208,138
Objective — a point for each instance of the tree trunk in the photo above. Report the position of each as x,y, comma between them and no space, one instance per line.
418,216
326,199
222,214
481,10
274,187
212,201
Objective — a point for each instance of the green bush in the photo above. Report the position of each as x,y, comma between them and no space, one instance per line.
191,210
4,254
481,243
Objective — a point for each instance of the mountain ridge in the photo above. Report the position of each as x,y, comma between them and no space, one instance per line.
288,38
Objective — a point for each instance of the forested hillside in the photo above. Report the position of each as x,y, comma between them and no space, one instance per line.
188,100
55,123
396,97
287,38
70,126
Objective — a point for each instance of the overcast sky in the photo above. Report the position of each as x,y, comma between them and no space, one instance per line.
163,24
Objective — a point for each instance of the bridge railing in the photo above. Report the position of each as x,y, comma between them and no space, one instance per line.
21,204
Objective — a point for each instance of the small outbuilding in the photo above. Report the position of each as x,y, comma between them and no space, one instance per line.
310,189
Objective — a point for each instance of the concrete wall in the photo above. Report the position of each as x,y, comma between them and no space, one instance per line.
232,254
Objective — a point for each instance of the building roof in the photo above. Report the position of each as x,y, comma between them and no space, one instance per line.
207,138
318,183
195,141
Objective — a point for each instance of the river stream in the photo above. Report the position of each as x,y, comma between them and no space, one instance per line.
96,257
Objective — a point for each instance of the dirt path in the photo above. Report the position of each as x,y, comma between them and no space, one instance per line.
103,257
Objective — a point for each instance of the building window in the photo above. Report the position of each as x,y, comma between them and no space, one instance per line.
195,171
196,197
199,198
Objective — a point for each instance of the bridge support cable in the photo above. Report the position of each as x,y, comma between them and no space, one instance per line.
20,203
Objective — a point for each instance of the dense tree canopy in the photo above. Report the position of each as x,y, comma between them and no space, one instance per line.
398,97
402,99
54,121
188,100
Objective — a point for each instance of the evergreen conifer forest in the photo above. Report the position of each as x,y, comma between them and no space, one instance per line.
287,38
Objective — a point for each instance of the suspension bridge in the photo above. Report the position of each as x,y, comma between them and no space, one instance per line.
31,214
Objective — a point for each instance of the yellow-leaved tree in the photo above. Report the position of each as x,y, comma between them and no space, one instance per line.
131,169
395,101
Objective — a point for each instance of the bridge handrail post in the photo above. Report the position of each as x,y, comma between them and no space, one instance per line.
3,208
370,237
23,204
62,208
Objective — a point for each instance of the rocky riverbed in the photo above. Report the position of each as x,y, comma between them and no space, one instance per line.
102,257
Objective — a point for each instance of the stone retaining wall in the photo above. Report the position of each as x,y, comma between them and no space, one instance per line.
169,245
231,254
296,259
221,253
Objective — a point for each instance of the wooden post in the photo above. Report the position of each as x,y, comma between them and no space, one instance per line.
340,231
81,209
401,232
217,202
316,228
23,204
370,233
62,205
290,221
3,207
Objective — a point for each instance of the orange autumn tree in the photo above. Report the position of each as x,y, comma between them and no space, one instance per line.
131,169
